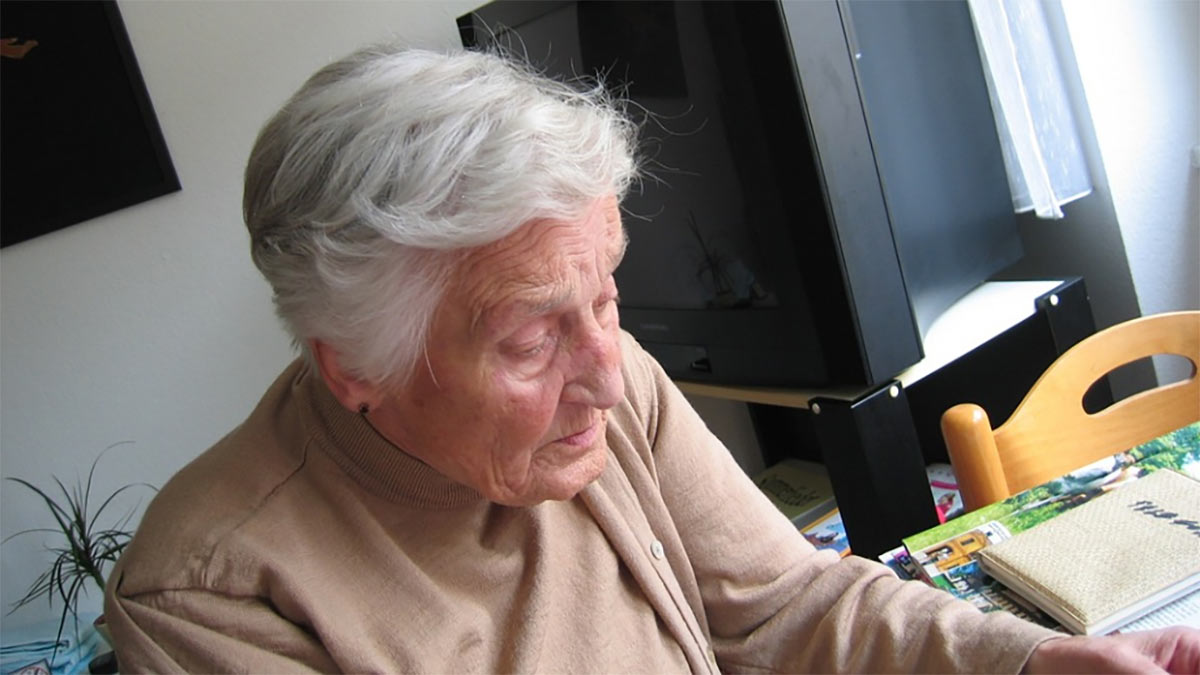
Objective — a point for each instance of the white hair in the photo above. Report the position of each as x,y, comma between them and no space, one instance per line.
362,191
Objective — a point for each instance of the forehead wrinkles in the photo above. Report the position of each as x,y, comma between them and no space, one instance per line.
535,262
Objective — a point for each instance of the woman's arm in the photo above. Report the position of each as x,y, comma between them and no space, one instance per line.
771,601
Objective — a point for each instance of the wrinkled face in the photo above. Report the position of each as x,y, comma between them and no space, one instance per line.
523,364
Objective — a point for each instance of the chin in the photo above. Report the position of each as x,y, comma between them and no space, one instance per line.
564,483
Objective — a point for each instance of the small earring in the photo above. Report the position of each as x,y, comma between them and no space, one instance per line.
363,408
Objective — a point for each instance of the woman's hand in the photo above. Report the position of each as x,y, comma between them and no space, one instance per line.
1171,650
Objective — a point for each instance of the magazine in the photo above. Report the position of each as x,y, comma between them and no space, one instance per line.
900,563
1089,567
800,489
944,487
1179,450
828,532
944,556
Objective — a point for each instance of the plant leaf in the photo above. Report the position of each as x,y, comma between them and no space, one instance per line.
86,549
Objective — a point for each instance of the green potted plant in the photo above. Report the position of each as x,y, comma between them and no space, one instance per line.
83,548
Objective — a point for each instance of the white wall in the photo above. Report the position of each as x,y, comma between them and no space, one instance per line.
1140,67
151,324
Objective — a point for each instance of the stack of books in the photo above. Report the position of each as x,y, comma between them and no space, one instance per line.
1111,547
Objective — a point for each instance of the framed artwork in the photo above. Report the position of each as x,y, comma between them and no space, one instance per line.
78,135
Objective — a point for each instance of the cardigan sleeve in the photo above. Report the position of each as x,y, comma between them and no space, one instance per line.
773,602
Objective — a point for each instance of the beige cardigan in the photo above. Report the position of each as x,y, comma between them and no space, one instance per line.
303,540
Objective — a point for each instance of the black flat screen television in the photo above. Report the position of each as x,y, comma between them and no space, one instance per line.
823,178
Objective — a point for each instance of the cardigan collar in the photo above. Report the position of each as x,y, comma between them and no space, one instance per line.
368,458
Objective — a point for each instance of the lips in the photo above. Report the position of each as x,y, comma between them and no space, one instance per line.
582,438
585,437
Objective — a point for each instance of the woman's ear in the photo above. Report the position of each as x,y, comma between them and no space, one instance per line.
354,394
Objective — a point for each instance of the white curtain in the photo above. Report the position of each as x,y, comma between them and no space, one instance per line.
1042,153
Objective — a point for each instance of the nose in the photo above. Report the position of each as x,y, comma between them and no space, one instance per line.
595,376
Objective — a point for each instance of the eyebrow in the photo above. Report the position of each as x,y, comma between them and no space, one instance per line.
535,306
551,301
525,308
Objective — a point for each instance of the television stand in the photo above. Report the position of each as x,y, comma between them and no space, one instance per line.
988,348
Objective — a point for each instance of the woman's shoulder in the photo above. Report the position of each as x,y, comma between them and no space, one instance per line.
643,375
641,379
200,507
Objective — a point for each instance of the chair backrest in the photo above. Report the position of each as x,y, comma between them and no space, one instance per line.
1050,433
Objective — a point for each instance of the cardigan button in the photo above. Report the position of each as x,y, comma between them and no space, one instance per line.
656,549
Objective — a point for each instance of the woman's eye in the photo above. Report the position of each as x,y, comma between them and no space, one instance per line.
536,349
606,302
529,350
603,306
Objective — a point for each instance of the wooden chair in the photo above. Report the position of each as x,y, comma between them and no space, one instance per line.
1050,433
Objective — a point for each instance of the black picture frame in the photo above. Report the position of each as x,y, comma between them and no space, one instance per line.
78,134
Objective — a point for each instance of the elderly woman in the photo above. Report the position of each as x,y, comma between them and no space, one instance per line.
472,468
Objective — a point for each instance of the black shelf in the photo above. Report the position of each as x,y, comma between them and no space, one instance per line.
876,442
